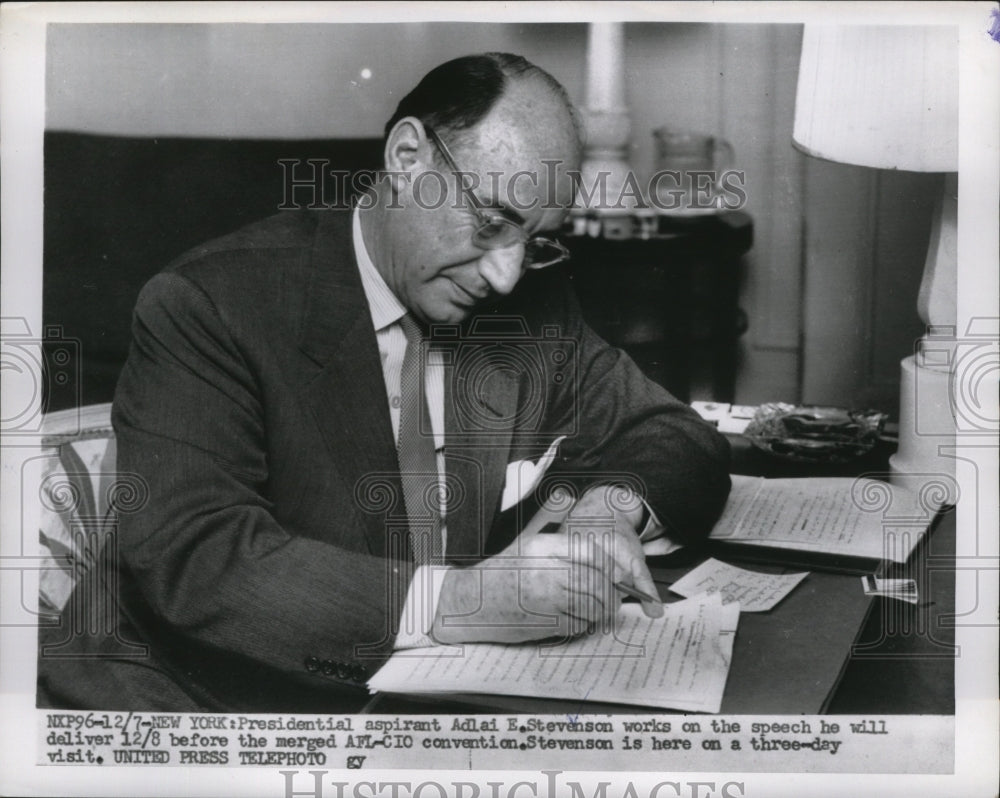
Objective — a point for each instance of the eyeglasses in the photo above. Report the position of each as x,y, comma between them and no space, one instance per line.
498,232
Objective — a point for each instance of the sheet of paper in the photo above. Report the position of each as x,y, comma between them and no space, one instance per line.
863,518
754,591
679,661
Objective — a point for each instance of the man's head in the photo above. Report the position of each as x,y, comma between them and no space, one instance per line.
510,126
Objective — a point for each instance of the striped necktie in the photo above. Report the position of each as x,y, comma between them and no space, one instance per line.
417,460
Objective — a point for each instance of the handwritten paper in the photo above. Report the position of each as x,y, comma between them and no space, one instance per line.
755,592
834,515
678,661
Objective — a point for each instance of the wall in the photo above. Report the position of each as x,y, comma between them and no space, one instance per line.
306,81
865,247
268,81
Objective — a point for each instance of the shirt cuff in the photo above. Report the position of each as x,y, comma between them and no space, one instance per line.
654,543
653,528
420,607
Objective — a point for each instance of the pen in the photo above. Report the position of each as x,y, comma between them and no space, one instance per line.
628,590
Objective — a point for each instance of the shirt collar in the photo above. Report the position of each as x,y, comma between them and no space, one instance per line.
383,305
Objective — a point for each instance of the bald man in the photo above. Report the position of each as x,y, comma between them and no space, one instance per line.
268,402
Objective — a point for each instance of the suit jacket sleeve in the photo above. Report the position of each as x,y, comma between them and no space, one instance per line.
628,424
211,561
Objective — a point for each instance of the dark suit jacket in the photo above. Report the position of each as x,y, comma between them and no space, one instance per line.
266,568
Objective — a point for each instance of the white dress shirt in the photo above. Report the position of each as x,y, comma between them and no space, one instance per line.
386,311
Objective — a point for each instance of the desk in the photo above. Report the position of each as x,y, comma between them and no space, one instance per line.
827,648
903,661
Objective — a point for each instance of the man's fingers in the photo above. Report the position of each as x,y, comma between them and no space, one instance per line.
575,627
585,611
610,549
623,558
596,560
590,588
643,580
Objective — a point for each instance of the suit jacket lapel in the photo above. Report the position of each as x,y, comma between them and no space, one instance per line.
478,426
347,394
348,399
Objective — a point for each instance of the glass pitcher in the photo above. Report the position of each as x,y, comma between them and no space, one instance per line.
690,172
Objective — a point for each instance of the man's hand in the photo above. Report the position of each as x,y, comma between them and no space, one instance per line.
622,547
550,584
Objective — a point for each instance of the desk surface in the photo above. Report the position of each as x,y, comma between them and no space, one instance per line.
785,661
904,660
788,660
893,657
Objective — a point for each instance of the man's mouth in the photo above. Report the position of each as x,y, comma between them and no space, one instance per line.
467,297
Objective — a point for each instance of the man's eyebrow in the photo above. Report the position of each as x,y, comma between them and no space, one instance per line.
495,206
517,218
509,213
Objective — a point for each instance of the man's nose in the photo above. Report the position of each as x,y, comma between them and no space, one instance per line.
502,268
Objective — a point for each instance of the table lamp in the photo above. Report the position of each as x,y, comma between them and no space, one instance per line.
886,97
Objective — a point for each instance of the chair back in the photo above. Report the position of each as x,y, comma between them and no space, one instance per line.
78,491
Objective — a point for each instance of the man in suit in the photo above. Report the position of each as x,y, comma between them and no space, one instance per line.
273,406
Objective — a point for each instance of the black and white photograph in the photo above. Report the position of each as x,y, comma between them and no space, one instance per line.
500,399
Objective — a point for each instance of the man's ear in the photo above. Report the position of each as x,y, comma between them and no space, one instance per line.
406,146
407,150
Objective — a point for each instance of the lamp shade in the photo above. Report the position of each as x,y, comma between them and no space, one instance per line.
879,96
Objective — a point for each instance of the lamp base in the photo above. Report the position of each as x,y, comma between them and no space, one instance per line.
925,460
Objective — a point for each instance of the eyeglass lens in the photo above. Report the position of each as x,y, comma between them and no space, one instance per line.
497,232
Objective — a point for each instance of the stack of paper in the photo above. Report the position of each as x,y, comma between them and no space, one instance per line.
845,524
678,661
